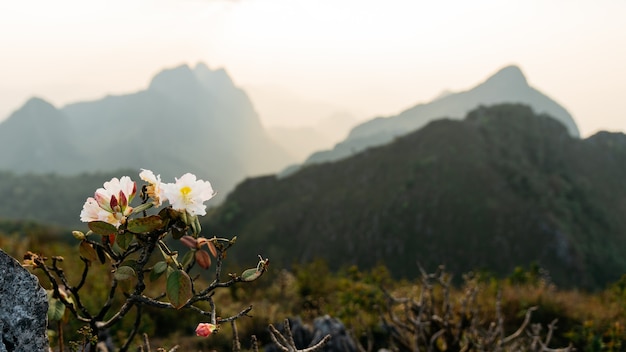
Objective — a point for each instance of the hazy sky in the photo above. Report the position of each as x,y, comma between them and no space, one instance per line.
370,57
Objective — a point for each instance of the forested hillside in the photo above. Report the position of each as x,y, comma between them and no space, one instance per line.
501,188
50,198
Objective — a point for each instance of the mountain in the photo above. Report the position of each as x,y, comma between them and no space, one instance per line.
508,85
37,136
503,187
187,120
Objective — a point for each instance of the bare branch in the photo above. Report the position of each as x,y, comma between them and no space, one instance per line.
287,344
522,327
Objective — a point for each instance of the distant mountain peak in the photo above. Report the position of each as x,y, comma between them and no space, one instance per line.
211,121
35,109
38,103
213,79
507,76
182,78
201,66
507,85
173,78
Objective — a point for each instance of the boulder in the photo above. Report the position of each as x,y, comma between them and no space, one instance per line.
23,309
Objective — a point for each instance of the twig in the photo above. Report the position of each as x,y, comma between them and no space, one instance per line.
236,343
287,343
522,327
133,331
254,343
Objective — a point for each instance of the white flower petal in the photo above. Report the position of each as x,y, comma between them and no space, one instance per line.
188,194
98,208
148,176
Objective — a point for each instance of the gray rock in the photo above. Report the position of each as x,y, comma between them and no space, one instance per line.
304,336
340,340
23,309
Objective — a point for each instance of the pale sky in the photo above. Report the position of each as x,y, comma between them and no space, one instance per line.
371,57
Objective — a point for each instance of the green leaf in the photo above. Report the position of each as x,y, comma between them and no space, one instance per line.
56,309
86,251
142,207
178,288
125,285
251,274
145,225
157,270
169,213
130,262
116,247
101,228
187,259
124,273
160,267
195,225
123,240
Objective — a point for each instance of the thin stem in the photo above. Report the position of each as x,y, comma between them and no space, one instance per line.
134,331
60,328
236,343
55,287
107,305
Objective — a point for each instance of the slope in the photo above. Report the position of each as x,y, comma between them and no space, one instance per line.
37,136
502,188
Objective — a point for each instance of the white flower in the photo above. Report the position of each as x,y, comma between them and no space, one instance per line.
155,187
189,194
92,212
110,204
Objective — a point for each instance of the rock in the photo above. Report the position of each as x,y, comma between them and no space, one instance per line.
23,309
301,333
304,336
340,340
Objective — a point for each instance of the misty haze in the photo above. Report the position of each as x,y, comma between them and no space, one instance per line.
398,176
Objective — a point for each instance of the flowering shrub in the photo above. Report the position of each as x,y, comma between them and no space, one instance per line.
133,243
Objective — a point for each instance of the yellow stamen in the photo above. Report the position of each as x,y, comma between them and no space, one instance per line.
185,191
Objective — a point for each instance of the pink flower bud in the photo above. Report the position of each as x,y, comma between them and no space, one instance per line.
205,329
123,200
113,202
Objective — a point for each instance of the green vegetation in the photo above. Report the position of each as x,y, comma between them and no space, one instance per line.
590,322
501,188
49,199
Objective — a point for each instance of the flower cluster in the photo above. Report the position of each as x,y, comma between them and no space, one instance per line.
111,203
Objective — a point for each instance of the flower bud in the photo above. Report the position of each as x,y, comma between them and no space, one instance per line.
78,235
189,242
206,329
